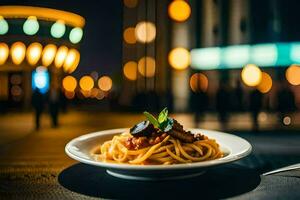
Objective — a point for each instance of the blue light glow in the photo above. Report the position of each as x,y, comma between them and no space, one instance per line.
40,79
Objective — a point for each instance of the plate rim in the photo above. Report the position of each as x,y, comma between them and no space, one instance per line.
184,166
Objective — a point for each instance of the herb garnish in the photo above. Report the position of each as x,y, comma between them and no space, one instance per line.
163,122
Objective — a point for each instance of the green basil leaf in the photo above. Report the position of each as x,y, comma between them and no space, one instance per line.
152,119
168,124
163,115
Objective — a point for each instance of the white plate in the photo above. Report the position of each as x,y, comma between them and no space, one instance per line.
80,148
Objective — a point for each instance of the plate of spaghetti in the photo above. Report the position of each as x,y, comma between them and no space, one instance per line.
157,148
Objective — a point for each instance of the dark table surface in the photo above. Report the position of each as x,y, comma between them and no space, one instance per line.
35,166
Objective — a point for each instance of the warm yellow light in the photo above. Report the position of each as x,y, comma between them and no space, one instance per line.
48,54
69,83
130,3
129,35
251,75
17,52
130,70
145,32
265,84
4,52
146,66
33,53
86,83
60,57
179,58
72,61
292,74
105,83
47,14
199,82
179,10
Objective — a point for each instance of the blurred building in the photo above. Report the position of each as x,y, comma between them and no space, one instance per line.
174,49
32,37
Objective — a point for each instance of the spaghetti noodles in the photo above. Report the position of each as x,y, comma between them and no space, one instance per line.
168,151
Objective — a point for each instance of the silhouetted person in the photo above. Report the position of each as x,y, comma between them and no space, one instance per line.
54,100
255,107
63,101
223,104
38,105
238,96
199,103
285,100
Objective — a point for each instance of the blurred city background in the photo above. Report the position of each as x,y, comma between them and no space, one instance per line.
70,68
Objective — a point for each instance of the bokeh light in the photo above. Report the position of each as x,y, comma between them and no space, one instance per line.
33,53
265,84
3,26
58,29
60,57
105,83
130,70
72,61
40,79
129,35
179,58
179,10
130,3
48,55
86,93
76,35
31,25
4,52
69,83
287,120
17,52
251,75
86,83
292,74
69,95
145,32
146,66
199,82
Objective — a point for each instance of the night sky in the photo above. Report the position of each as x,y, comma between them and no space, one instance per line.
101,46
